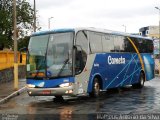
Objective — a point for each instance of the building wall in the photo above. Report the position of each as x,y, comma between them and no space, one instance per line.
7,75
153,31
150,31
7,59
6,66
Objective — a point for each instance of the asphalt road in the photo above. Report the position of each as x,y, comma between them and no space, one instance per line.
121,101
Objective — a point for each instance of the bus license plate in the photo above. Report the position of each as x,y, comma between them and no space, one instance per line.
46,92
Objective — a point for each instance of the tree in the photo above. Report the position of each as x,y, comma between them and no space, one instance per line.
23,42
24,20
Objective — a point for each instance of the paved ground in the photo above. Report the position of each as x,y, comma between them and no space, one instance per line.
7,89
127,100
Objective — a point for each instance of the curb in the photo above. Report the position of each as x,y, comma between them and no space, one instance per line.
16,93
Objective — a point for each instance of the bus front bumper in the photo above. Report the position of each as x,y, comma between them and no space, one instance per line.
50,91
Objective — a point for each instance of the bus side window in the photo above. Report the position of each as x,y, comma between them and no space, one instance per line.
128,47
81,51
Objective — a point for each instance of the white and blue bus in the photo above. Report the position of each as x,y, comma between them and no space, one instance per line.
85,61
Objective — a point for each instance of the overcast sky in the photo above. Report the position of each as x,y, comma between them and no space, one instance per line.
107,14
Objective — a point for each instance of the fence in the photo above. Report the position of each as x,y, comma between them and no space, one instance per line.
7,59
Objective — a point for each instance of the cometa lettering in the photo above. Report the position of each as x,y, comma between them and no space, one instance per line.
120,60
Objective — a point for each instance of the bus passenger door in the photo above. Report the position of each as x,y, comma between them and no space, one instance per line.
80,63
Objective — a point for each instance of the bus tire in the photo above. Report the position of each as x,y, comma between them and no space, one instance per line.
140,83
95,88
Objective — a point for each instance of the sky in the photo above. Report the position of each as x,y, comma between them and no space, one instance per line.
106,14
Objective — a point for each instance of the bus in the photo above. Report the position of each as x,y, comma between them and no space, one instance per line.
86,61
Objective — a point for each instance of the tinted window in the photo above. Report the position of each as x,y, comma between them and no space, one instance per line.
149,46
143,45
128,47
115,43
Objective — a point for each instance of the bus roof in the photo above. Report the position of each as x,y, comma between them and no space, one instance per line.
112,32
89,29
53,31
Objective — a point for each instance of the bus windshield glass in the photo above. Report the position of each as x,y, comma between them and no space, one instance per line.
50,55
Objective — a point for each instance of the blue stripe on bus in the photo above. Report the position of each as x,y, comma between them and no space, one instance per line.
122,72
50,83
116,75
136,65
148,65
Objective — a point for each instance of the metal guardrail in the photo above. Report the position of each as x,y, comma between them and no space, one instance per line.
7,59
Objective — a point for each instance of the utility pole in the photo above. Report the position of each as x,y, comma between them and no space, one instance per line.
34,24
49,20
124,28
15,47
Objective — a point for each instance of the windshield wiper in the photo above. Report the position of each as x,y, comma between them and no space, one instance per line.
65,62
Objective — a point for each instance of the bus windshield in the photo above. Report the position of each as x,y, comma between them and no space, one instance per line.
50,55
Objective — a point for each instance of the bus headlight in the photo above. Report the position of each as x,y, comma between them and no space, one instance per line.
65,85
31,86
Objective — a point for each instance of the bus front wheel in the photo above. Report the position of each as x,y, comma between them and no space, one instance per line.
140,83
95,88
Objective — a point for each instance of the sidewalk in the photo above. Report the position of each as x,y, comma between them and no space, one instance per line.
7,90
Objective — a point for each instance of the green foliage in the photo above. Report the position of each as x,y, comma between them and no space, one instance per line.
23,42
24,20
